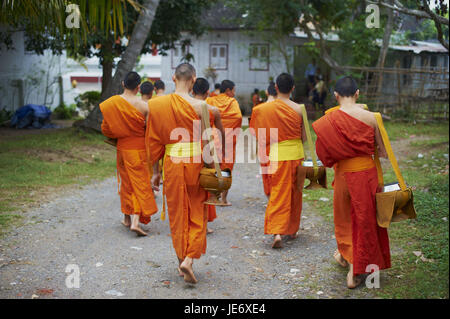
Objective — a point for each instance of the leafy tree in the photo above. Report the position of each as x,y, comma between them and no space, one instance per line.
146,24
423,9
171,18
51,16
274,20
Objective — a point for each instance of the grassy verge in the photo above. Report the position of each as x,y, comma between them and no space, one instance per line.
420,257
35,166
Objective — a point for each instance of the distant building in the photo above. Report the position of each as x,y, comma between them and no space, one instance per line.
249,62
28,78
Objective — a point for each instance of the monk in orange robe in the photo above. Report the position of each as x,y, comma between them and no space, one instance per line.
347,137
231,116
174,132
146,91
271,92
124,119
271,96
285,201
200,91
160,88
216,90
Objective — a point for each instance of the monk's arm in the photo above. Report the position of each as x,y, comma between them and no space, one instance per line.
304,138
156,177
219,126
379,144
106,130
381,149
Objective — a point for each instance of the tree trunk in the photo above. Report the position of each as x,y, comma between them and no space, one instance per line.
107,68
385,45
126,64
383,52
107,62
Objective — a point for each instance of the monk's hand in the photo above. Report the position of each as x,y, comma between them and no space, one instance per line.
156,178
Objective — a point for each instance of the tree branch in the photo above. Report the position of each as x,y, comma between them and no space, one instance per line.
435,17
418,13
322,45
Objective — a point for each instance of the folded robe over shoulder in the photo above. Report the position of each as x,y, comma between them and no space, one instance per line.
231,117
348,144
170,115
285,202
122,121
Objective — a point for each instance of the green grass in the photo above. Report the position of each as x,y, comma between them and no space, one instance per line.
36,165
398,131
411,277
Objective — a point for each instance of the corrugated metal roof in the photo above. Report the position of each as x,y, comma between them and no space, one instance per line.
421,46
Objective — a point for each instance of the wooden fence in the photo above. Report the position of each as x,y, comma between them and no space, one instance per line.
419,94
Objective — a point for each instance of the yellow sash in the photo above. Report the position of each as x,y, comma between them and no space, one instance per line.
179,150
288,150
184,149
309,140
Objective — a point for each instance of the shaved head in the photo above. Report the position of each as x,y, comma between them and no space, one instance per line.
201,86
185,72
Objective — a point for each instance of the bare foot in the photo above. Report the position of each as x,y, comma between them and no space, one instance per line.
138,231
209,231
186,268
180,273
352,281
277,242
341,261
126,221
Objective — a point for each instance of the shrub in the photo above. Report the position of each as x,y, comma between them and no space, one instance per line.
64,112
88,100
5,116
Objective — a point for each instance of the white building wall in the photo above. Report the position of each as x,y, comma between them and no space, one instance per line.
38,73
238,69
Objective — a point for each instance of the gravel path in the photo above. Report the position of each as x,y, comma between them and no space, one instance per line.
82,227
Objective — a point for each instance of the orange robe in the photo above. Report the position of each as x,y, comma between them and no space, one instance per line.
348,144
231,117
264,164
285,203
211,208
122,121
187,213
255,100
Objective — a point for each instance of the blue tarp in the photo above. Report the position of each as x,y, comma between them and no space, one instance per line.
32,116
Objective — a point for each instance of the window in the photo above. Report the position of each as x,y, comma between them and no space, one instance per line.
177,55
433,61
406,64
259,57
424,61
218,56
